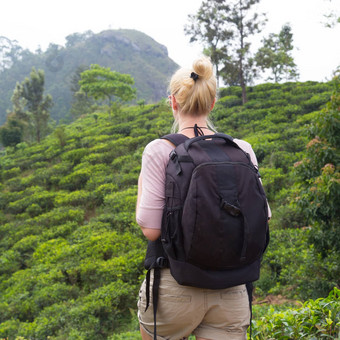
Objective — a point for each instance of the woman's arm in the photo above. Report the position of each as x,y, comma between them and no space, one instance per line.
151,188
150,234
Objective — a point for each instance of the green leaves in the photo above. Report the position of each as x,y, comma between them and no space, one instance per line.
71,253
318,171
275,55
31,107
319,319
71,257
102,83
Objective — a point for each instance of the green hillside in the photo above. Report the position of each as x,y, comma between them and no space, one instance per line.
71,254
125,51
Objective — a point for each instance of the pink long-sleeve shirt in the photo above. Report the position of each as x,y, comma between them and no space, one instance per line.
154,161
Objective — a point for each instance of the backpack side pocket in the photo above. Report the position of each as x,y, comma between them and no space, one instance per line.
171,233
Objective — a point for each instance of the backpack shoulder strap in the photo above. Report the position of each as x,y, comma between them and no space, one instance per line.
175,138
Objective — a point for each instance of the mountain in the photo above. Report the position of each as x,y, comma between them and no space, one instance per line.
125,51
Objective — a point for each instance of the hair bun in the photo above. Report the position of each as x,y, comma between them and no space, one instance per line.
203,67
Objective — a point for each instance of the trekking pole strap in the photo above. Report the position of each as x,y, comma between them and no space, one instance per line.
155,291
250,288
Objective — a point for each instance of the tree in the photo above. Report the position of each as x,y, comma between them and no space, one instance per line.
76,38
29,117
332,18
11,133
239,66
19,103
37,106
81,103
101,83
209,27
275,55
10,52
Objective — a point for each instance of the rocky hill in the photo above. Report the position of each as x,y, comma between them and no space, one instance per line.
125,51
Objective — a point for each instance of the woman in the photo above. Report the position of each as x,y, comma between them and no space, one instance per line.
184,310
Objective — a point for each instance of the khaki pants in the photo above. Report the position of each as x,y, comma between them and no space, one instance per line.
183,310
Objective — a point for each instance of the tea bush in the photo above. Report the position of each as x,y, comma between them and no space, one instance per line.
319,319
71,253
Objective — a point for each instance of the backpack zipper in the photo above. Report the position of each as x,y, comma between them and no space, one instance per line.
251,167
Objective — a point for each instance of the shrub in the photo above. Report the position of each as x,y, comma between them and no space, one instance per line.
75,198
126,336
9,263
32,195
10,173
74,156
58,216
60,231
9,329
34,210
76,180
316,102
273,180
230,101
317,319
16,184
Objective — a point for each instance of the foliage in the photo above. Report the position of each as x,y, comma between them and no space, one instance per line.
71,254
224,27
239,65
314,319
208,26
126,51
12,132
81,103
319,319
102,83
30,111
274,55
10,52
292,268
318,194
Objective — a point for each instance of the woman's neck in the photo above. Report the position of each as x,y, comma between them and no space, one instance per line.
186,125
189,121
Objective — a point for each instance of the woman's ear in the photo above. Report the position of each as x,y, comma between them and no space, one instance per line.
213,104
174,103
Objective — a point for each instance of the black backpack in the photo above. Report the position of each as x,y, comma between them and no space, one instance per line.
215,221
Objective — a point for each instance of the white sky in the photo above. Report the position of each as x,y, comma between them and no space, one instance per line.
40,22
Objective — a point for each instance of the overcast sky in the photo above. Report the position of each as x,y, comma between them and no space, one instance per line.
40,22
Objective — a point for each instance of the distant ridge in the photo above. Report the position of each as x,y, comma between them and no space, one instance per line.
123,50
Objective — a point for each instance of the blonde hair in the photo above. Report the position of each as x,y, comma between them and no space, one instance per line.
194,97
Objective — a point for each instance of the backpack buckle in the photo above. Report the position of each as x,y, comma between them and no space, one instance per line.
230,209
173,155
162,262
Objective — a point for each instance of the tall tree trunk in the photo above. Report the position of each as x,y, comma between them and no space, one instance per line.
217,76
241,56
243,84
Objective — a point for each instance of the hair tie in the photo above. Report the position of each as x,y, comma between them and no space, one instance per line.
194,76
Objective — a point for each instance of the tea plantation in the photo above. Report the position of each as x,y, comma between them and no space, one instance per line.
71,253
